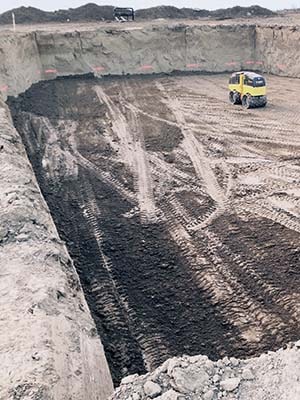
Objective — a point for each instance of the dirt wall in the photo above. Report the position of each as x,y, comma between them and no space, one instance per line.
20,64
279,48
30,57
49,348
152,50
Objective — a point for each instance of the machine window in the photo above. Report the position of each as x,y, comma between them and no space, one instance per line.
234,80
259,82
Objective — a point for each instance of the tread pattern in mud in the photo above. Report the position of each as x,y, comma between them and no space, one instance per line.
181,212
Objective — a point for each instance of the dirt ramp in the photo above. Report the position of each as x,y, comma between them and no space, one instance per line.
179,211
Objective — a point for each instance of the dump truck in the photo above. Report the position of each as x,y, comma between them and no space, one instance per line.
123,14
248,89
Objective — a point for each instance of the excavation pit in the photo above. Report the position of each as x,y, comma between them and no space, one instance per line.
179,211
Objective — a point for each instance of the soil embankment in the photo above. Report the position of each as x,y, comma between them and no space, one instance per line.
31,57
48,342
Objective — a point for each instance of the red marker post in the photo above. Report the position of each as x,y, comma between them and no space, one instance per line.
193,66
98,69
146,67
231,64
282,67
50,71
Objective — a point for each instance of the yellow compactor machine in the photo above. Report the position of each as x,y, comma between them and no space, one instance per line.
248,89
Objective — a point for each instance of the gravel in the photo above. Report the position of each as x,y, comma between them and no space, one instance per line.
272,376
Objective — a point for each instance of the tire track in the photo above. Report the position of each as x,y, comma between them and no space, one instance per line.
132,150
210,273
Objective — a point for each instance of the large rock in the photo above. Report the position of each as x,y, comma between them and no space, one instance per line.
169,395
230,384
152,389
189,379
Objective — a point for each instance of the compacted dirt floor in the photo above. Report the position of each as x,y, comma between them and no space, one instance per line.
180,211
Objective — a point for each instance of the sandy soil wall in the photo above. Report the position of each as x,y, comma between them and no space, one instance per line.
150,50
20,63
49,348
279,48
30,57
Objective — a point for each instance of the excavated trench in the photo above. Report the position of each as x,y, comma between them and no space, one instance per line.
180,212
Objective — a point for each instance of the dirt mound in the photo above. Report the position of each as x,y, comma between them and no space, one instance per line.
26,15
190,13
171,12
242,12
88,12
93,12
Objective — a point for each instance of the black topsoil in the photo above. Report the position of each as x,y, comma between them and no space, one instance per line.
140,292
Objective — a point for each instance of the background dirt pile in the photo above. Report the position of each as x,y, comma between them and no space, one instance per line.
94,12
189,13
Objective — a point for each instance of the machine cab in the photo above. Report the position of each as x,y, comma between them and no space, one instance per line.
122,14
247,88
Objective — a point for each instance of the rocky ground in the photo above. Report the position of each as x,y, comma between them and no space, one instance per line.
272,376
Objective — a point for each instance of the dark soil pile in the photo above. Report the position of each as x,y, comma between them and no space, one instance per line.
93,12
190,13
26,15
242,12
171,12
88,12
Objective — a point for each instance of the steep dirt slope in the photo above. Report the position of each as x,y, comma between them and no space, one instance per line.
33,56
30,57
48,343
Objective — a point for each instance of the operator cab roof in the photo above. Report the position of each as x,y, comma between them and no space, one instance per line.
251,75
